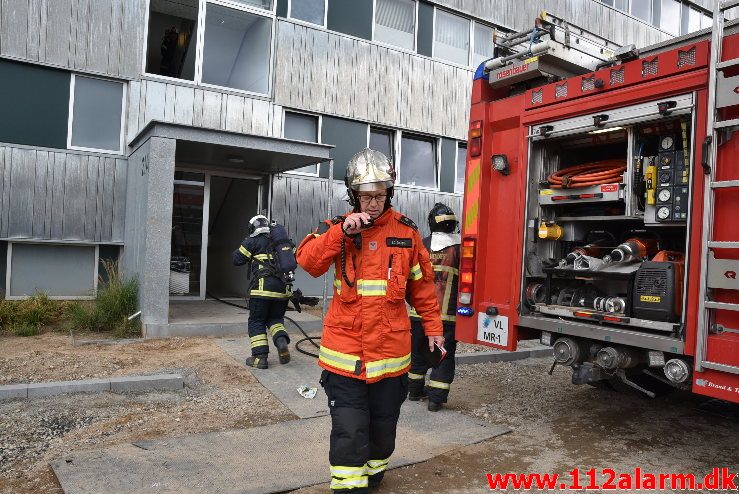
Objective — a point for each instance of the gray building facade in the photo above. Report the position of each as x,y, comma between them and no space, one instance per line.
150,131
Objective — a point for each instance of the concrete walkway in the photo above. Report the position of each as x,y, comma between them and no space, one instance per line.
274,458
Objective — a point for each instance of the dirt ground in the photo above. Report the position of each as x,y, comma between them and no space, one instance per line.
555,426
219,394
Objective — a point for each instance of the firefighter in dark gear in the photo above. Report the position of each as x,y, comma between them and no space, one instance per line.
443,247
268,295
365,350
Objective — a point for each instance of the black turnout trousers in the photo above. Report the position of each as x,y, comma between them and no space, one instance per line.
266,315
364,419
437,387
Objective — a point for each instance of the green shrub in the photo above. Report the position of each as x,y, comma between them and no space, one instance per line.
26,330
116,300
37,311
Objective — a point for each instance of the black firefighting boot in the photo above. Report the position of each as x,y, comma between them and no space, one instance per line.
434,406
416,394
257,361
282,350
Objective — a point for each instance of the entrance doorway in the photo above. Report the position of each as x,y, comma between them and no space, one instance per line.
210,216
233,201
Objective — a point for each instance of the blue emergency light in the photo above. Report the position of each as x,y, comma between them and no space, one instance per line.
465,311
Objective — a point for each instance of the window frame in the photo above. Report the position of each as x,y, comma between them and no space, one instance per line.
456,166
290,12
319,136
470,35
390,45
197,80
70,118
436,142
9,269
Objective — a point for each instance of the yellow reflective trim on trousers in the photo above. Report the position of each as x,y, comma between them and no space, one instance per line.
263,257
258,337
416,273
377,466
438,384
341,471
243,250
387,366
449,318
275,328
349,483
416,377
343,361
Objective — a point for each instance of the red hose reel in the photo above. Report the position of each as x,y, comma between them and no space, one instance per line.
585,175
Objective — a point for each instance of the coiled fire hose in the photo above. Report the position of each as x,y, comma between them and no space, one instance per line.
597,173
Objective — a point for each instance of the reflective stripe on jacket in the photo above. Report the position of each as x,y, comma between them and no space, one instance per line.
446,278
366,332
258,253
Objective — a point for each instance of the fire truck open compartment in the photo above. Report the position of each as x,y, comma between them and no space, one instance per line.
607,218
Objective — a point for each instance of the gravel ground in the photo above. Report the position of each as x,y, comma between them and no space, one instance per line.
558,426
219,395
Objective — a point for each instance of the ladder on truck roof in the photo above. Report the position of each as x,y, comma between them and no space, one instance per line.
553,49
723,92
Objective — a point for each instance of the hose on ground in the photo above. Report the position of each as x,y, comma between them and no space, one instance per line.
585,175
311,339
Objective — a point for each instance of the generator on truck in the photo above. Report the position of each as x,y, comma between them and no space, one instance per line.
600,208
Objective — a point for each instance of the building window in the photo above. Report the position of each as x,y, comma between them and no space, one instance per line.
59,271
34,103
451,37
236,51
460,168
418,161
313,11
483,46
395,22
706,21
642,10
264,4
669,19
96,114
302,127
170,47
352,17
382,140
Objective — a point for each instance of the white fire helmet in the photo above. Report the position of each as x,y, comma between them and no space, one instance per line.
257,225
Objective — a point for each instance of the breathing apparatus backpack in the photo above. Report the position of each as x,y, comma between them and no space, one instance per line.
283,253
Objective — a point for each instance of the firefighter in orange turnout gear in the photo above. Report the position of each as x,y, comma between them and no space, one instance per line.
443,247
365,351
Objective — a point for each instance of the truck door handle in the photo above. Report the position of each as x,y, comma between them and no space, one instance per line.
704,159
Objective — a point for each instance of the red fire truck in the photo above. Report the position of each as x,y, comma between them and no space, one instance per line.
601,203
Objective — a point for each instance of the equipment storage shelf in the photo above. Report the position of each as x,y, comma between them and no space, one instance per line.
607,209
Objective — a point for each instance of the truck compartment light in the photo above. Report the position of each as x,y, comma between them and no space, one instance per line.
605,131
500,164
656,359
546,338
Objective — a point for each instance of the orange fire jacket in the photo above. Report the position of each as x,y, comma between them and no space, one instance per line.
366,333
